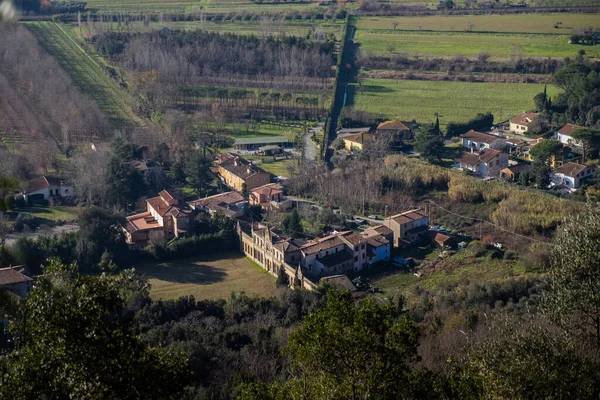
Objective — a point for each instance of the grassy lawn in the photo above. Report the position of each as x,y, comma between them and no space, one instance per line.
250,131
519,23
277,168
209,277
448,44
460,268
58,213
453,100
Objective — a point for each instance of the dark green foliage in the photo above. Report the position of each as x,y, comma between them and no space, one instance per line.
75,338
429,143
100,231
282,278
35,252
581,84
125,184
481,122
540,173
589,139
544,150
198,173
291,225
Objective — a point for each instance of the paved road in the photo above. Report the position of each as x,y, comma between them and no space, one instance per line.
58,230
310,149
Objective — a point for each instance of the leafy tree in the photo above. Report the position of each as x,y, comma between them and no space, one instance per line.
75,338
364,350
588,138
198,173
449,4
291,224
282,278
429,143
100,231
526,360
540,172
572,297
125,184
546,149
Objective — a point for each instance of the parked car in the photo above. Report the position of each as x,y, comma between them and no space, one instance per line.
359,220
375,217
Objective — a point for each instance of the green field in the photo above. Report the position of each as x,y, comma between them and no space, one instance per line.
237,27
448,44
52,214
210,277
277,168
454,101
85,72
193,6
519,23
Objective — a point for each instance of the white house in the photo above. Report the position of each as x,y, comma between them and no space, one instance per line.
486,162
44,187
571,174
520,123
478,140
564,134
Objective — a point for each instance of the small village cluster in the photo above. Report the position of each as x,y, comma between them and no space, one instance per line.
487,154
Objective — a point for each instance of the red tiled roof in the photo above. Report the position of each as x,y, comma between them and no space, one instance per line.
377,241
163,208
41,183
408,216
166,196
141,222
378,230
269,189
226,198
485,155
240,167
568,129
572,169
360,138
479,137
12,275
524,119
322,244
395,125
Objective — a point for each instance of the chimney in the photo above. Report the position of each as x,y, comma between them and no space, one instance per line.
471,150
236,161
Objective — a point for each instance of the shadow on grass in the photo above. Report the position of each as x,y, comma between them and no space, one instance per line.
184,272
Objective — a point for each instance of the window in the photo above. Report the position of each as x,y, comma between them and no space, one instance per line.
362,246
356,258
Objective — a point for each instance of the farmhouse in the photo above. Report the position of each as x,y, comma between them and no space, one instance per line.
240,174
339,253
571,174
45,187
564,135
486,162
407,227
478,141
399,129
521,123
270,197
513,172
15,281
358,141
378,249
162,221
231,204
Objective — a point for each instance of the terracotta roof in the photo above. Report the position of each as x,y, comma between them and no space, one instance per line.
360,138
322,244
524,119
240,167
572,169
41,183
377,241
395,125
353,238
166,196
440,238
378,230
568,129
287,246
479,137
485,155
141,222
163,208
269,189
516,141
516,169
13,275
339,281
408,216
222,199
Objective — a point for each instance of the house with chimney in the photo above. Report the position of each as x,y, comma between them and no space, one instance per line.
270,197
479,141
408,227
522,122
163,220
486,162
231,204
240,174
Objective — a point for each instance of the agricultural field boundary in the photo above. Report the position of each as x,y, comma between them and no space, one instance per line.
85,72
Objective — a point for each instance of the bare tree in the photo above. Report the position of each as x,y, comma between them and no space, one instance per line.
395,24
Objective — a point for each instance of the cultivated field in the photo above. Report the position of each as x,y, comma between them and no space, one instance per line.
193,6
454,101
448,44
85,72
520,23
210,277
